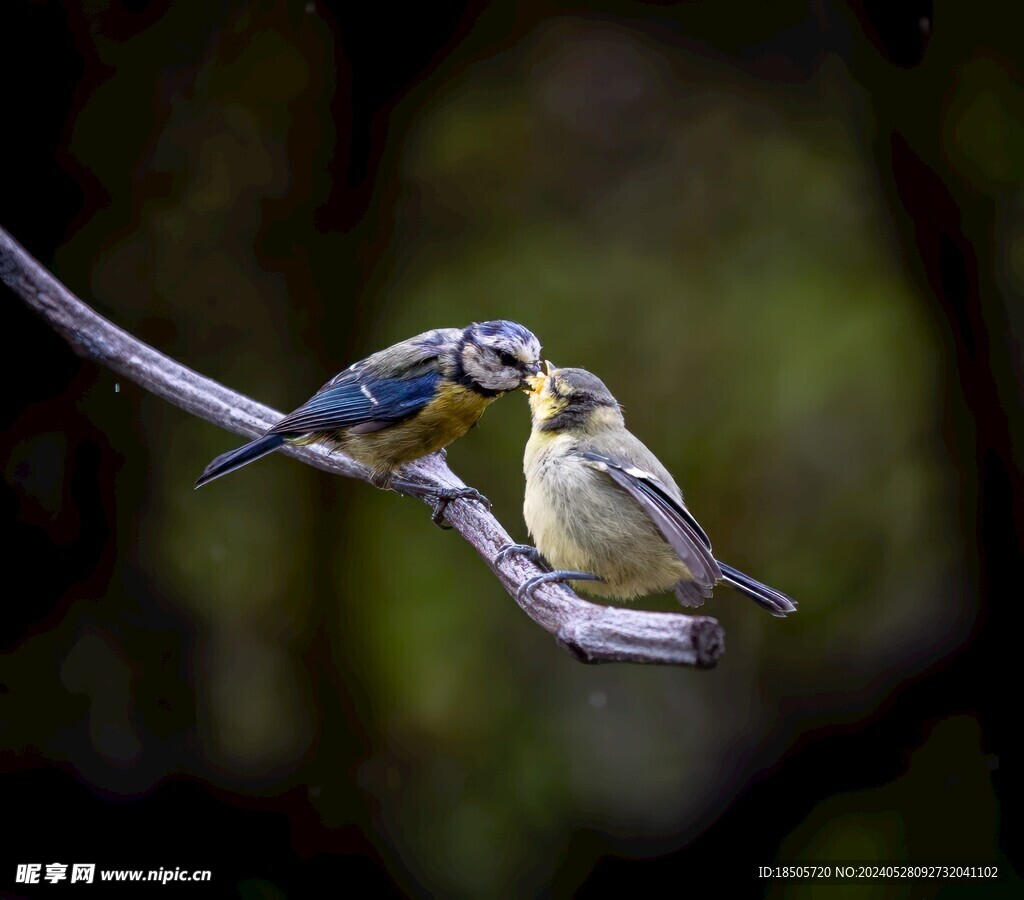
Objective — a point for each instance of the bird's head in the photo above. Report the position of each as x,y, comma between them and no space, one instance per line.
498,356
572,400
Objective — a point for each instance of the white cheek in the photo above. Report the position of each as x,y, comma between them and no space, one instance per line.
499,381
486,377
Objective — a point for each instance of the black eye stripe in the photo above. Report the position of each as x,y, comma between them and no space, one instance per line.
506,358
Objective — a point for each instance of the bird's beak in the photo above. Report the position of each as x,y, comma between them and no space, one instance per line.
549,367
534,380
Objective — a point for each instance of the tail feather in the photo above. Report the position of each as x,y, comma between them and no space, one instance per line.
235,459
777,603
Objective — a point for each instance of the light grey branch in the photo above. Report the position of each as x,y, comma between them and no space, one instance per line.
590,632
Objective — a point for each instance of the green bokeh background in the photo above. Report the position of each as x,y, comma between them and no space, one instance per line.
715,244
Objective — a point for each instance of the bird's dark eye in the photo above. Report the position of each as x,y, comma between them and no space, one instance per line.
507,359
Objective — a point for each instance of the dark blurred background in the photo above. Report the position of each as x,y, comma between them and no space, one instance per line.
788,235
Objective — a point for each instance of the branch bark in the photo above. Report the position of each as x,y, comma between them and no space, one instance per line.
592,633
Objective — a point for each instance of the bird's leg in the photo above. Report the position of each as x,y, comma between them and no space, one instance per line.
439,497
557,577
531,553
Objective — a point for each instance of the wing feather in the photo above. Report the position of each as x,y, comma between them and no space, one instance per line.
670,516
352,402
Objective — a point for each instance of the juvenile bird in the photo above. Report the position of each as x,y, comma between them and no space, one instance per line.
603,510
407,401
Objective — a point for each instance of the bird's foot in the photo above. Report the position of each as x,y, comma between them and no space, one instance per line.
559,576
437,497
531,553
443,496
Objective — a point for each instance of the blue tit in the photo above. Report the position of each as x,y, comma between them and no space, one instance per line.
605,513
407,401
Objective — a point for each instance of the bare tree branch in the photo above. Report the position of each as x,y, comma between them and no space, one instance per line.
590,632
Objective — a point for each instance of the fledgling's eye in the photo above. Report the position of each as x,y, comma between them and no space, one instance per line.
507,359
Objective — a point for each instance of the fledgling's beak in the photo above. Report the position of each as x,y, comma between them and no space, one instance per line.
549,367
532,379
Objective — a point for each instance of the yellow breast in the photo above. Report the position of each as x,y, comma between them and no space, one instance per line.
452,412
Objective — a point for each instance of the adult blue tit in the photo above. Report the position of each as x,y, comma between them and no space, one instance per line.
605,513
407,401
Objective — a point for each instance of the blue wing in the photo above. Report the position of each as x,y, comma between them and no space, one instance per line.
365,406
675,522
